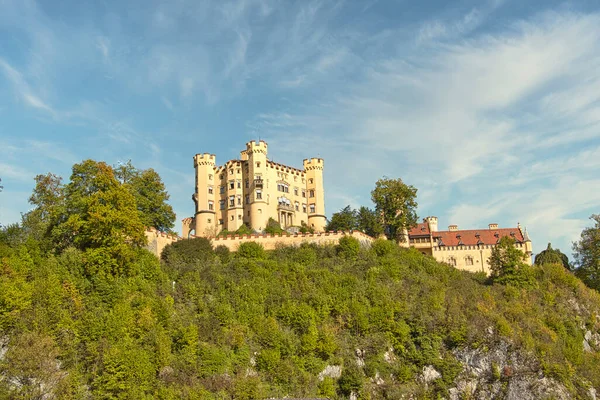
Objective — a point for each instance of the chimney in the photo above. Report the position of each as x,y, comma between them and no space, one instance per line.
493,226
453,228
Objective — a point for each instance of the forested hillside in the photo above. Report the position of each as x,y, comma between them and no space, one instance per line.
87,313
307,321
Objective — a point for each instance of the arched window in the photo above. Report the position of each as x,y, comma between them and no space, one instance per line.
468,260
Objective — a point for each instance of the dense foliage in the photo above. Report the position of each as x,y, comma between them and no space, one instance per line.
396,205
587,254
254,324
364,219
552,256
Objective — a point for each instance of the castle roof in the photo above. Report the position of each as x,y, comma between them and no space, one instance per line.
468,237
472,237
421,229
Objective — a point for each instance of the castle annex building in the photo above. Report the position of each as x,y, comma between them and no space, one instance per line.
465,249
252,189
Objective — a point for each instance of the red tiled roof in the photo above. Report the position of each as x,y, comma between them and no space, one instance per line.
470,238
421,229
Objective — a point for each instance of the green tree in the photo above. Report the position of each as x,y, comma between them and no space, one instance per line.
273,227
587,254
395,203
367,222
102,218
552,256
344,220
150,195
508,264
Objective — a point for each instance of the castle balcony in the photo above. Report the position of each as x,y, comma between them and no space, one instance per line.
285,207
258,183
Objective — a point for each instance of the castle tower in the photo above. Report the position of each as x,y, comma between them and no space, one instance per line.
313,168
204,195
433,223
256,153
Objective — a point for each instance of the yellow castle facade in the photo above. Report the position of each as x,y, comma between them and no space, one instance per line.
251,190
466,249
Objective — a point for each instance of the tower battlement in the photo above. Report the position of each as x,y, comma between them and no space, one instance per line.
313,163
204,159
256,147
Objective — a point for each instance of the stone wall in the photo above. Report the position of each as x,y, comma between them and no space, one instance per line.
158,240
270,242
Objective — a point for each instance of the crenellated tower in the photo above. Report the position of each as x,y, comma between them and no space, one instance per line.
204,194
256,156
313,168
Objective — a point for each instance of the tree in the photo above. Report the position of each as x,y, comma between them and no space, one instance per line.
587,254
150,195
102,218
508,264
368,222
395,204
552,256
48,197
344,220
273,227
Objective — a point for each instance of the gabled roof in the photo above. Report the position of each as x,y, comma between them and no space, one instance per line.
472,237
421,229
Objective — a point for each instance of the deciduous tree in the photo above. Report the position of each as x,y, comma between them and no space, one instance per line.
395,204
587,254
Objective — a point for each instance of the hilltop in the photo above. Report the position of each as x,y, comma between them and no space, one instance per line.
331,321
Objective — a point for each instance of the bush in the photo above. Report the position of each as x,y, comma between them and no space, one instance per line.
349,247
383,247
273,227
190,251
251,250
223,253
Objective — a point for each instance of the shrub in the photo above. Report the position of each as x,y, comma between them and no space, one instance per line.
244,230
383,247
188,252
273,227
223,253
348,247
251,250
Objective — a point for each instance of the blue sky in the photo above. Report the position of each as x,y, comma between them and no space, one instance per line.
490,108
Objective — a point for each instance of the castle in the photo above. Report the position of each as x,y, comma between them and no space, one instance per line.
251,190
465,249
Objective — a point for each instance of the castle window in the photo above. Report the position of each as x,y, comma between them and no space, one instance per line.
257,164
220,222
231,201
239,200
260,210
248,212
312,193
297,206
210,177
238,171
247,183
210,190
468,260
222,205
247,199
239,184
303,193
259,195
231,185
231,172
221,189
211,205
452,261
232,217
221,176
311,180
295,179
304,208
240,216
312,208
295,191
209,221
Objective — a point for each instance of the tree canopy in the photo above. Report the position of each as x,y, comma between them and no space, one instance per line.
396,205
552,256
587,254
364,219
507,264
